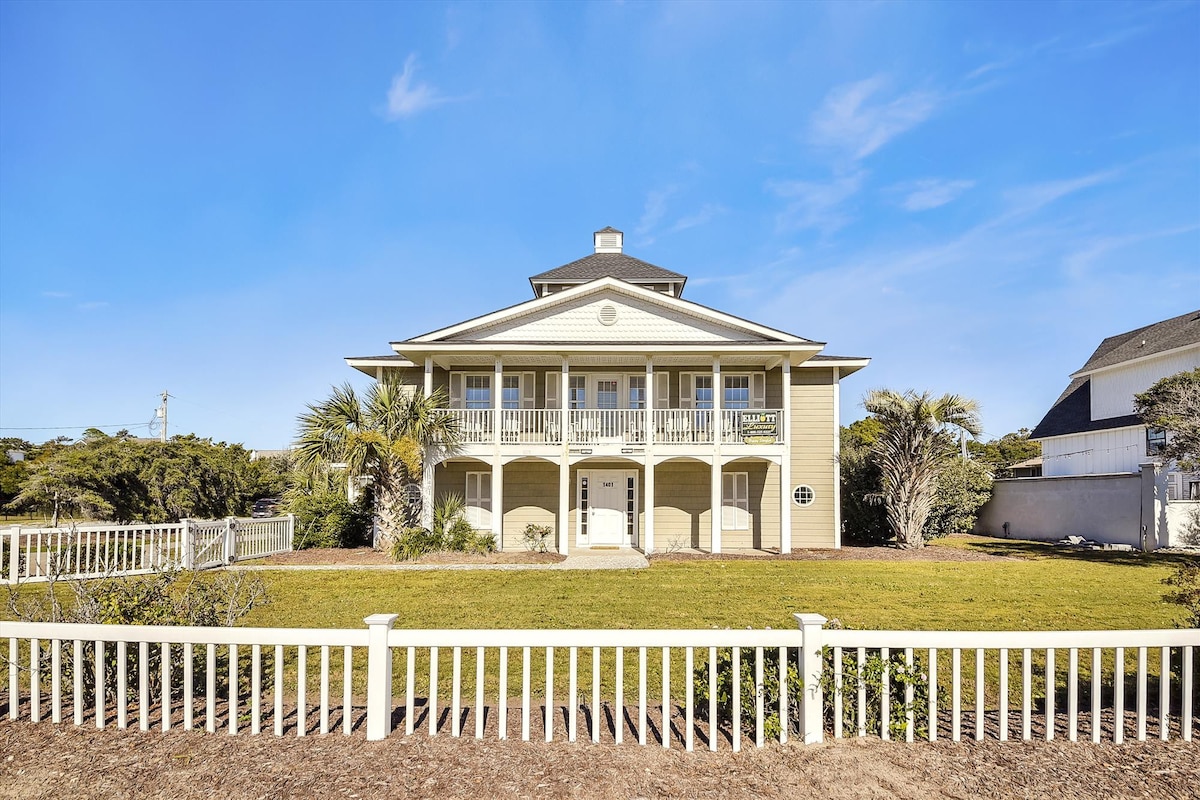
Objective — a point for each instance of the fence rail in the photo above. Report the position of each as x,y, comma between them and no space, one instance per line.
30,555
668,687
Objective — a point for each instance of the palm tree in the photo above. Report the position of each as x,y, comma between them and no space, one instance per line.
913,448
387,435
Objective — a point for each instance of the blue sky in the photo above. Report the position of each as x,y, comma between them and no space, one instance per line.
224,200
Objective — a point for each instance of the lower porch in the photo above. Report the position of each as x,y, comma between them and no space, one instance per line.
607,505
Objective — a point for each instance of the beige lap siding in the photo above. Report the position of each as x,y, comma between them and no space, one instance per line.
681,509
530,497
812,456
763,497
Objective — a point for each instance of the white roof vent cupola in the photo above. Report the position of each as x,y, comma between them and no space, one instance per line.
608,240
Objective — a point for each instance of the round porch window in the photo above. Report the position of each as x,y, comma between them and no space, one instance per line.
803,495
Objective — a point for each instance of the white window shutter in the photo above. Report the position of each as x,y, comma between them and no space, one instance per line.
758,390
528,390
687,389
456,390
662,390
553,381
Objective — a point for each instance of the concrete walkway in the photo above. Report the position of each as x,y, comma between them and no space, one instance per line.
580,559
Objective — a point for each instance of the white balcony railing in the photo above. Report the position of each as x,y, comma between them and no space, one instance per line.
621,426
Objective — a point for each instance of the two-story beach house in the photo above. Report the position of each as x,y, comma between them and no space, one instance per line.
623,416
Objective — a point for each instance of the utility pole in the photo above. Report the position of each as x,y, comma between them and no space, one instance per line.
162,415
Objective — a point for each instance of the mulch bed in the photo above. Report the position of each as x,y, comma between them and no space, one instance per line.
849,553
366,556
54,761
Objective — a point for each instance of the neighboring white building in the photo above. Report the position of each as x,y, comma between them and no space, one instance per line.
1092,430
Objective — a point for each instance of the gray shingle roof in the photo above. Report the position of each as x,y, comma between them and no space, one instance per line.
603,265
1157,338
1072,411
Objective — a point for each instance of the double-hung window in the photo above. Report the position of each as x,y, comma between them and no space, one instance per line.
703,397
637,391
737,391
577,389
478,391
510,393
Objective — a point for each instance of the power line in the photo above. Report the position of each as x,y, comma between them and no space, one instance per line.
79,427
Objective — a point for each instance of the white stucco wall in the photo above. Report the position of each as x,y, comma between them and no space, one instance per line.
1113,389
1103,508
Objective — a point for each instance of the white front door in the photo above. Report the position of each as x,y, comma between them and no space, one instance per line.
606,508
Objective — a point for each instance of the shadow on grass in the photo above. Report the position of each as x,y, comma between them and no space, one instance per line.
1044,550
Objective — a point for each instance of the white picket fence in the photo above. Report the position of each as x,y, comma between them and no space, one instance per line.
607,685
95,551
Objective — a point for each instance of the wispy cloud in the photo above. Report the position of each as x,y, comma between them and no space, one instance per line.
56,295
1027,199
815,204
408,97
1078,263
858,118
930,193
705,215
654,211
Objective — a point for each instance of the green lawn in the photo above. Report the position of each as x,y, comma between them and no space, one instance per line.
1048,588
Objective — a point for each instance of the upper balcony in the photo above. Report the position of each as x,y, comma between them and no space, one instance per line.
633,427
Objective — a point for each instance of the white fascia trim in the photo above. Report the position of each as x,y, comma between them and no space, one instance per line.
380,362
554,348
1138,360
599,284
844,367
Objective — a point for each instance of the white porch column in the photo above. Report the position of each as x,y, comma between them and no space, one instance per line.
785,463
718,430
428,375
564,460
648,426
427,495
564,505
648,505
497,391
498,502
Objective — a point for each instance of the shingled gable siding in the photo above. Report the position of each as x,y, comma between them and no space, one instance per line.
812,455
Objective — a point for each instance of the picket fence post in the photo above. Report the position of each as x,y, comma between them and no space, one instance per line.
379,676
811,664
230,553
14,555
291,528
185,544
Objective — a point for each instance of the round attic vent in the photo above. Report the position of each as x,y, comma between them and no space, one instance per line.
607,314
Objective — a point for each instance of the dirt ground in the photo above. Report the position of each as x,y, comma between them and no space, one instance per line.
55,761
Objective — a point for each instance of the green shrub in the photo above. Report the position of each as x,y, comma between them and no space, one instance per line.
1185,592
412,543
328,519
164,598
535,537
871,677
451,532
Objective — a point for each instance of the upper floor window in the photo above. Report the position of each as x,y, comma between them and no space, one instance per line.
737,391
578,392
637,391
1156,440
510,393
479,391
704,391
